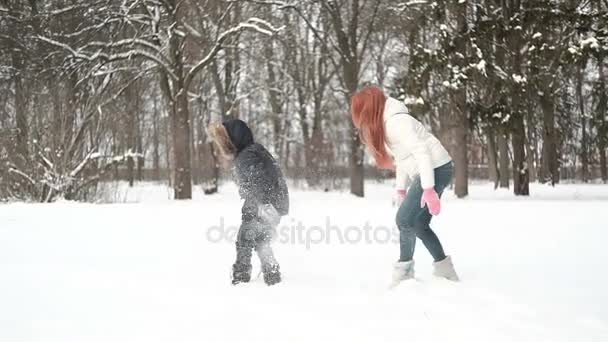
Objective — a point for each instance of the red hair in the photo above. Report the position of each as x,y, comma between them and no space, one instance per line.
367,109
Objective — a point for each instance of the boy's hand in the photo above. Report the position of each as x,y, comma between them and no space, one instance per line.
268,213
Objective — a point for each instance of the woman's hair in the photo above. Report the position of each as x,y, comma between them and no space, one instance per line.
367,108
221,141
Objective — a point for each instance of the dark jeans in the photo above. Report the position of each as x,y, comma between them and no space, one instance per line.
414,221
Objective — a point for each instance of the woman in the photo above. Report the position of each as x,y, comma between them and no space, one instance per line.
423,168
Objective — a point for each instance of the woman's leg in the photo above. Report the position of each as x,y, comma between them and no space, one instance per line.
428,236
443,178
406,215
412,220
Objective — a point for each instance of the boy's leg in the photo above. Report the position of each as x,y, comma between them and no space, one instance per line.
270,266
241,270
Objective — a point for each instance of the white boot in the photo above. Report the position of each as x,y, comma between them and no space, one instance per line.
445,269
402,270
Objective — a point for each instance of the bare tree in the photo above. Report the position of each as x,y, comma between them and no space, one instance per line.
161,32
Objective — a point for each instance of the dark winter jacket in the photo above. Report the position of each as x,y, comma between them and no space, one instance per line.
256,172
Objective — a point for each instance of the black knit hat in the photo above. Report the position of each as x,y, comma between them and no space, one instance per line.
239,133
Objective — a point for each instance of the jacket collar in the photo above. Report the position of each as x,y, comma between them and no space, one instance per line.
393,106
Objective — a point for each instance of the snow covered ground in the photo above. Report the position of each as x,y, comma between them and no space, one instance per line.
532,269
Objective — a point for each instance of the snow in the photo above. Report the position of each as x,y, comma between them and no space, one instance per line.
403,6
481,66
532,269
537,35
591,42
519,78
411,100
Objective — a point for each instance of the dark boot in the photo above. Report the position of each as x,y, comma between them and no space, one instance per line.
270,266
241,270
272,274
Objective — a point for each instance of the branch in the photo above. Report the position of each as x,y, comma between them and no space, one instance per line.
251,24
100,56
342,44
283,6
78,169
109,166
13,169
370,28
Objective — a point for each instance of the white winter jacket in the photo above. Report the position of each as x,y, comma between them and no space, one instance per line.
415,150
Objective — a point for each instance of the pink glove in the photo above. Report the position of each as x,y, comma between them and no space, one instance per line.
431,199
401,193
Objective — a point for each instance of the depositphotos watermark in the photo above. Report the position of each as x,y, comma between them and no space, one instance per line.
295,232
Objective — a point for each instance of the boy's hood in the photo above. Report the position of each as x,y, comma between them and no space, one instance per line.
239,133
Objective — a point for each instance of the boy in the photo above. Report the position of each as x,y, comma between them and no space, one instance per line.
262,186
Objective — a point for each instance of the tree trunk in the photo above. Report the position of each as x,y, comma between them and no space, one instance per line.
20,110
274,98
70,114
195,161
176,95
549,166
350,74
347,35
208,156
139,145
130,171
182,185
461,162
602,112
356,163
503,160
531,146
213,187
168,149
312,154
316,146
492,157
460,109
581,104
130,95
603,166
356,155
219,88
521,178
155,141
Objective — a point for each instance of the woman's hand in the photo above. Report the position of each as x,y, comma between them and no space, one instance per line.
400,197
431,199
